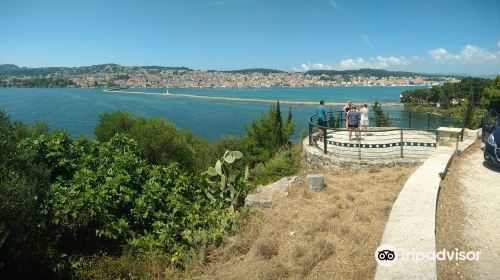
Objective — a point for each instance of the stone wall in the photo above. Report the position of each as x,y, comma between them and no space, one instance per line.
316,159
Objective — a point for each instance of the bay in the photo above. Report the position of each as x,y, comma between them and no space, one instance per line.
77,109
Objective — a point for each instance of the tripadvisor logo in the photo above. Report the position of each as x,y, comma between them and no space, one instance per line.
385,255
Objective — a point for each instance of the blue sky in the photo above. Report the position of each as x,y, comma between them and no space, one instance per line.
293,35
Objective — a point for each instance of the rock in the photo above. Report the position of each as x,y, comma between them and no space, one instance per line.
264,196
258,200
315,182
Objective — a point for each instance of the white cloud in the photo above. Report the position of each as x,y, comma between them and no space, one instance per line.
366,40
468,54
312,66
379,62
353,63
438,53
440,59
336,5
498,44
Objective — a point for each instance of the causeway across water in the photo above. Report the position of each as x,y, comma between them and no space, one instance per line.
236,99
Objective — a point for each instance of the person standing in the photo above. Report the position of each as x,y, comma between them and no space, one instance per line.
364,120
346,110
353,122
322,120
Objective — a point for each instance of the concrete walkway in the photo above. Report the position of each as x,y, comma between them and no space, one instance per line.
482,206
412,222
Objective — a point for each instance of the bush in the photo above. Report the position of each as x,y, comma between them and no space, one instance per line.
23,184
158,140
63,201
285,163
491,97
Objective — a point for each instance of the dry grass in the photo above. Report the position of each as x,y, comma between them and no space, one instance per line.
451,223
325,235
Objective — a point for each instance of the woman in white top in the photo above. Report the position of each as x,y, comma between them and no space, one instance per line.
364,121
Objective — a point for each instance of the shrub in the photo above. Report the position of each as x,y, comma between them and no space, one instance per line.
158,140
23,184
267,135
491,97
63,200
286,162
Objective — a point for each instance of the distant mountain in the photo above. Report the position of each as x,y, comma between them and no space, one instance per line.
492,76
14,70
254,70
375,73
453,74
6,68
11,69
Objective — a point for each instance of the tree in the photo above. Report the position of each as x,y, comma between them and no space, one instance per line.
289,126
468,112
266,135
381,119
159,141
23,184
331,119
278,127
491,96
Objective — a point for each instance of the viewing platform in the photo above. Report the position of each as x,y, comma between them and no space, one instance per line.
403,145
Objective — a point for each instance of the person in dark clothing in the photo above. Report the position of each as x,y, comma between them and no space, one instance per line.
322,120
346,110
353,122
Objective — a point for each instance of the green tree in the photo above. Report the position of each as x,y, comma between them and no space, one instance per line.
112,123
159,141
467,113
331,119
266,135
491,97
23,184
381,119
277,127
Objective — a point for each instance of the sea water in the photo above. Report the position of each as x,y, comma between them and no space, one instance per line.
77,110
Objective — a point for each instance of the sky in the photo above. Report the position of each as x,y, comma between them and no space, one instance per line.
431,36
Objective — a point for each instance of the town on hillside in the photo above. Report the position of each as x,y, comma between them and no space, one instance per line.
112,75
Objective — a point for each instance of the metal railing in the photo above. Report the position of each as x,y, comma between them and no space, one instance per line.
418,139
403,119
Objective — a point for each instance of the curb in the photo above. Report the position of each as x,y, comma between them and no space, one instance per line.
412,221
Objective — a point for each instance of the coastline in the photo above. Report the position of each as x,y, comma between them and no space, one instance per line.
236,99
262,87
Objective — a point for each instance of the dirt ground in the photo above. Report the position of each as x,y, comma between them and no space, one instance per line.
468,217
325,235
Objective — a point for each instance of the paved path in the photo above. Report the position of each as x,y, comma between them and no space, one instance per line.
411,224
482,205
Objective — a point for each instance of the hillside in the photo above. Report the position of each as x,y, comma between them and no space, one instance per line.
374,73
14,70
331,234
254,70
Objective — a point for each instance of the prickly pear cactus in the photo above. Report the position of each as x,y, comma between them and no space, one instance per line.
225,184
